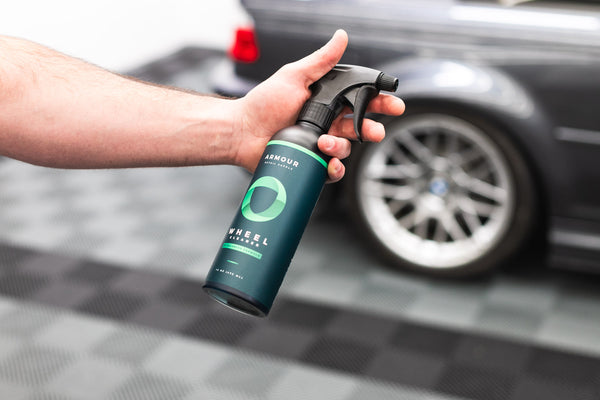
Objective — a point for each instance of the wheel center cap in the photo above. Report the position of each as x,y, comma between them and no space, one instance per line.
439,187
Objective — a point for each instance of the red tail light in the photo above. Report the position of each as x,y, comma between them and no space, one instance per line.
245,46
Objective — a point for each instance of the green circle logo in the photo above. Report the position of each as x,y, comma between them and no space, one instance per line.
274,209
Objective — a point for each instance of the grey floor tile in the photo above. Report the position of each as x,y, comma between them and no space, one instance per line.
363,327
570,331
407,368
34,365
81,243
280,341
73,332
221,326
130,344
151,387
523,294
112,304
384,299
247,373
475,383
385,390
13,390
133,251
47,395
146,284
90,378
339,354
508,322
25,321
9,345
536,388
327,286
164,314
193,361
574,369
20,285
298,383
492,353
427,340
94,273
48,264
65,294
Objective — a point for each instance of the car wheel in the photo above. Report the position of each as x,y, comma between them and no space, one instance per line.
442,194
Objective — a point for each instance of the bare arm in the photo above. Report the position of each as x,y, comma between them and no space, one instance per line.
62,112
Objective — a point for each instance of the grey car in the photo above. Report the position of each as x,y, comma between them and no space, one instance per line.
501,138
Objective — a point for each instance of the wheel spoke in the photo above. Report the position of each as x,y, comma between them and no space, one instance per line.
397,155
466,156
421,229
452,226
397,205
408,221
473,223
487,190
476,208
481,172
418,149
395,172
390,191
432,141
440,234
481,188
451,144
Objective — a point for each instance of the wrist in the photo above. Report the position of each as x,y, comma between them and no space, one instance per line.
208,131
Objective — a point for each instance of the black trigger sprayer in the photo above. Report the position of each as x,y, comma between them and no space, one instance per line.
262,239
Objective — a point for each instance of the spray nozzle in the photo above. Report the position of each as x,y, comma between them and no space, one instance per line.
344,85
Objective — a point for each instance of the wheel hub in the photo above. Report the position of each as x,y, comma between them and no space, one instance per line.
439,187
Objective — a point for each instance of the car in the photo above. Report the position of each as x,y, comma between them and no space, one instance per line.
500,141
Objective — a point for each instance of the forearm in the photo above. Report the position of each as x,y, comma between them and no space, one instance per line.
61,112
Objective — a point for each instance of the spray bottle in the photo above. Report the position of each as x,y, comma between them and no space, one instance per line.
262,239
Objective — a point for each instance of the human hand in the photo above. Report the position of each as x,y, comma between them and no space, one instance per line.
276,102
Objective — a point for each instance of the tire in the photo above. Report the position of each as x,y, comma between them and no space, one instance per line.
444,194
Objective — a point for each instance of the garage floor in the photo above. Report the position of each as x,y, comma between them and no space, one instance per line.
100,298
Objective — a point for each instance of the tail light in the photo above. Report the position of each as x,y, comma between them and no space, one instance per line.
245,47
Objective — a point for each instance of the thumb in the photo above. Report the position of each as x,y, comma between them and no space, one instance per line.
317,64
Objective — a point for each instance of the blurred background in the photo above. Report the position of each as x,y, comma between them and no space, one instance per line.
120,36
457,259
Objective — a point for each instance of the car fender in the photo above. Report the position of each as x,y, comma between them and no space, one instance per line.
492,95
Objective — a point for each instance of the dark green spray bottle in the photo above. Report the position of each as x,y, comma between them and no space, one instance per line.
262,239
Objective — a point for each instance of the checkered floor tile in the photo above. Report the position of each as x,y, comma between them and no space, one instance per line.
100,277
142,334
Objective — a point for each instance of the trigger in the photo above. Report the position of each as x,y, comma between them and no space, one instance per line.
363,97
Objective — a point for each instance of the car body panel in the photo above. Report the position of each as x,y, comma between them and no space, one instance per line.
532,69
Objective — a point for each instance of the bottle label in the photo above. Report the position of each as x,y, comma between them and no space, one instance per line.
299,148
274,209
263,237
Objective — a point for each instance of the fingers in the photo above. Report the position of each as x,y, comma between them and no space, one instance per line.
317,64
338,148
334,146
372,131
335,170
386,104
